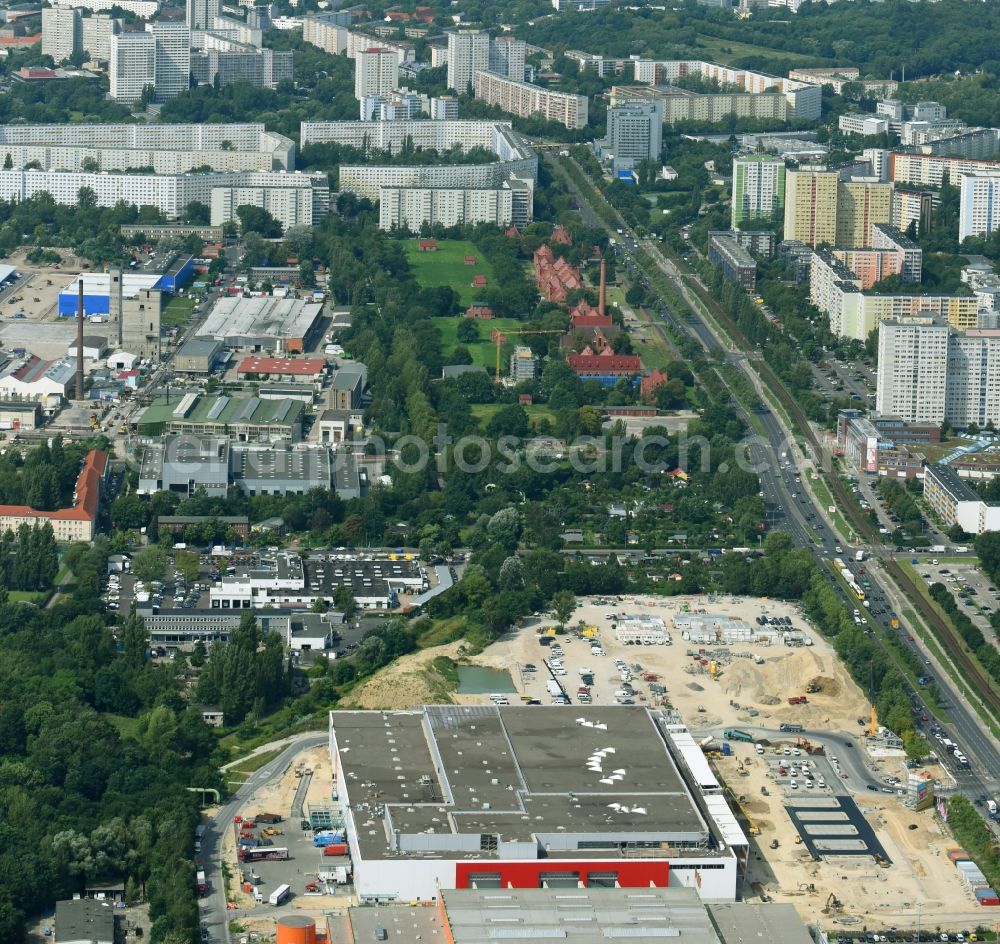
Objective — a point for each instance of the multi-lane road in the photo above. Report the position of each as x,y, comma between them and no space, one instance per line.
792,508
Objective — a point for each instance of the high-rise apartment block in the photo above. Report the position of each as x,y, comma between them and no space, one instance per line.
97,32
62,32
376,72
930,372
444,108
861,202
201,14
468,53
173,59
758,188
507,57
980,204
524,99
132,66
811,205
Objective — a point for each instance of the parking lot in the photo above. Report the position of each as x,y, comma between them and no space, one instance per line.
973,591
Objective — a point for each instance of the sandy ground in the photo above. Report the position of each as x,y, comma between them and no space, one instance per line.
920,878
407,683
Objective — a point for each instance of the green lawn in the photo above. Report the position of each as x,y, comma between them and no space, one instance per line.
178,311
484,351
38,597
447,266
484,412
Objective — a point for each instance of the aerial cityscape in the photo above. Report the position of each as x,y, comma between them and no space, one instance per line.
499,471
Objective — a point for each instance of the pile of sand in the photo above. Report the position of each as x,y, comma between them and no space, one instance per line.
410,681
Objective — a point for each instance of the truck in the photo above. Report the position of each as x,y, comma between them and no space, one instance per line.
268,818
199,835
553,687
201,883
279,895
859,555
789,728
938,548
734,734
261,853
991,805
798,700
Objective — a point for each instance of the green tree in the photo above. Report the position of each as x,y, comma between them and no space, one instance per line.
563,605
150,564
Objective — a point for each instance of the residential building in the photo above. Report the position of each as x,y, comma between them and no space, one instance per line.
76,523
487,762
444,108
144,9
507,57
910,265
524,99
862,123
201,14
523,364
327,30
400,106
912,370
230,62
980,204
811,206
855,314
956,502
912,208
468,53
635,133
96,34
132,66
62,32
412,207
861,202
173,59
736,263
758,189
836,78
376,72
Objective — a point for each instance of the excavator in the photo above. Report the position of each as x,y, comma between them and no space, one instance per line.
833,903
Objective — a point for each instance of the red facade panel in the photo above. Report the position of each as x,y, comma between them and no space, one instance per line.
528,874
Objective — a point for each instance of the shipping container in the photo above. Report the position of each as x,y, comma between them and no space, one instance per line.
336,849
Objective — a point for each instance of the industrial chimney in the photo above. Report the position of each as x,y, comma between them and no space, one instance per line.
79,342
604,288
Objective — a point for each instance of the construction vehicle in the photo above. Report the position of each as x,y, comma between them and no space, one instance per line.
798,700
812,687
775,843
833,903
807,887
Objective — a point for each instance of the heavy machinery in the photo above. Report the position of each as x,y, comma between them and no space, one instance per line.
833,903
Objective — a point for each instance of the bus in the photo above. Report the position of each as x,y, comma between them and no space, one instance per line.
261,853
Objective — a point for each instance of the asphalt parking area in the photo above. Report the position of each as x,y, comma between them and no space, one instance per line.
835,826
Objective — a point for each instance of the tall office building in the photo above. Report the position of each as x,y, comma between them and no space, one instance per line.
758,188
811,206
468,53
62,32
507,57
912,369
980,204
635,133
201,14
97,32
861,203
173,59
376,72
132,66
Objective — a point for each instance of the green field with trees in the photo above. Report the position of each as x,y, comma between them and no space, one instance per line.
446,266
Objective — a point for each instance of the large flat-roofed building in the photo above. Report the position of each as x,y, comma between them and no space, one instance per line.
168,149
185,464
85,921
281,470
525,99
243,419
957,502
736,263
263,323
413,207
489,797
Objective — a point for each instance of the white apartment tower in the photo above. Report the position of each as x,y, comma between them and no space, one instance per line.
758,188
376,72
173,59
913,369
468,53
62,32
507,57
979,212
201,14
97,32
132,66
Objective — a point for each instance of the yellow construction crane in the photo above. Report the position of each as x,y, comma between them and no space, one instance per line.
499,338
873,727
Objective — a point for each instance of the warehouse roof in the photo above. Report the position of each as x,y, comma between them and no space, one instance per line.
738,922
518,773
263,317
84,919
291,366
225,411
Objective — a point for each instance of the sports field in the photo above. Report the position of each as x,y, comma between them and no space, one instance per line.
483,351
446,266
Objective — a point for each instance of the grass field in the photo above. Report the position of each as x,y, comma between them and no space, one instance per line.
178,311
484,412
483,352
725,50
447,266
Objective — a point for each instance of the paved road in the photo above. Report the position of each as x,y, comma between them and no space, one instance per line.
788,508
213,906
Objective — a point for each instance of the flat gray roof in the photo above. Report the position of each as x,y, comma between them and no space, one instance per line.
578,915
518,773
84,919
739,922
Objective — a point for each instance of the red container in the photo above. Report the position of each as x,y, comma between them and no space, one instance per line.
337,849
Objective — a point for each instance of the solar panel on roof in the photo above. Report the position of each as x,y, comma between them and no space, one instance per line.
217,408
